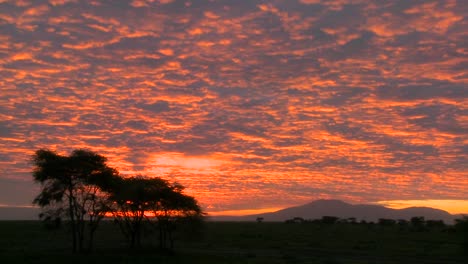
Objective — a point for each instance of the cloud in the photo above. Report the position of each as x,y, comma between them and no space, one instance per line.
307,99
157,107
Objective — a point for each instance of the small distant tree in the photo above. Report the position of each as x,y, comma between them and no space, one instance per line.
461,227
342,221
260,219
299,220
403,224
73,187
461,224
386,222
417,223
329,220
435,224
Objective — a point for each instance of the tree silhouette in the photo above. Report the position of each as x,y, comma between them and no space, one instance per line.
138,200
461,225
435,224
173,207
329,220
417,223
73,187
386,222
131,198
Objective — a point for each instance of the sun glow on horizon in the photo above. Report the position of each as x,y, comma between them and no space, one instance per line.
247,104
167,162
451,206
243,212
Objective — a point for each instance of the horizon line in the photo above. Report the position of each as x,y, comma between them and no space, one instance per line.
451,206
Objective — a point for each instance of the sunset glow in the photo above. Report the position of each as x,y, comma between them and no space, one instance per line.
249,104
451,206
243,212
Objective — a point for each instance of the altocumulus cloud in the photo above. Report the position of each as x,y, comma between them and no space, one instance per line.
255,103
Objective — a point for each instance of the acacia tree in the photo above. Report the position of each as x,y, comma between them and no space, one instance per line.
130,198
139,200
75,188
172,208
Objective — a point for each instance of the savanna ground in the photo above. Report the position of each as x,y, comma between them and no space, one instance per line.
240,242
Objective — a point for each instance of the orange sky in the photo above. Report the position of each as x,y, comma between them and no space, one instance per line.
251,105
451,206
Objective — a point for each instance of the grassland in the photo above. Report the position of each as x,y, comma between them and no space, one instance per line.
241,242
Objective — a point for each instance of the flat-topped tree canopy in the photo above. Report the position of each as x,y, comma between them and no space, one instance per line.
73,187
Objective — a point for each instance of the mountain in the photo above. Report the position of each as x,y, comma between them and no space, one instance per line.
19,213
368,212
313,210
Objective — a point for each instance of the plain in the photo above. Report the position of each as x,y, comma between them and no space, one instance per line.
241,242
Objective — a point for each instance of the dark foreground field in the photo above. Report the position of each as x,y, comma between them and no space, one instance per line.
223,242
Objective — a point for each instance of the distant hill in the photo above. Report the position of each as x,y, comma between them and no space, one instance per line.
313,210
319,208
19,213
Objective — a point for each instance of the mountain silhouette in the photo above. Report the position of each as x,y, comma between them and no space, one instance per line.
19,213
368,212
313,210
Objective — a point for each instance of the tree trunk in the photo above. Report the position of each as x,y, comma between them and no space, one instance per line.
72,217
80,234
90,241
171,240
93,225
160,236
132,241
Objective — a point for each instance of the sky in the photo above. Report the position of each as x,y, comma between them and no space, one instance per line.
252,105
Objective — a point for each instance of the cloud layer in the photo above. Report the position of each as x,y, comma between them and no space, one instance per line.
247,103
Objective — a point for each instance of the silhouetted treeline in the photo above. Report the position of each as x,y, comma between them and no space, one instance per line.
82,190
417,223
